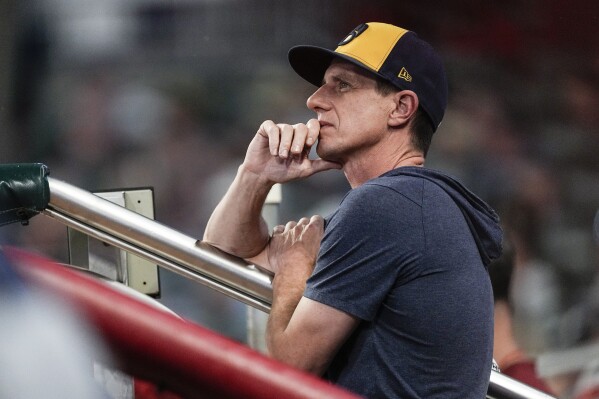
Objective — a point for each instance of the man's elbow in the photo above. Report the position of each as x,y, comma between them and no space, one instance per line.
297,359
231,248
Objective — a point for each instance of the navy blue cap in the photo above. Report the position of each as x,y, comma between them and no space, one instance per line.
394,54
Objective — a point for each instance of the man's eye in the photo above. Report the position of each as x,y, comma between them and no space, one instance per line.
343,85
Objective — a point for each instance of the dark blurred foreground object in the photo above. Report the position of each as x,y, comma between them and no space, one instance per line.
24,191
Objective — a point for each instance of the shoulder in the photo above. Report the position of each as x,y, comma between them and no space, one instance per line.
374,204
386,190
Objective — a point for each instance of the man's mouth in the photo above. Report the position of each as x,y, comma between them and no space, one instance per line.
324,124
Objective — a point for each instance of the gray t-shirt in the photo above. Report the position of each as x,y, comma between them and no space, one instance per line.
406,253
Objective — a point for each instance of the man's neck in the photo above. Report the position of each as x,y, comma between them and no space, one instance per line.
393,151
359,170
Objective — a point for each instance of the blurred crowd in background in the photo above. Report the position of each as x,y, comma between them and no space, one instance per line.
167,94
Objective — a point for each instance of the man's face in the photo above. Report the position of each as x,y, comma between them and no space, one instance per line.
353,116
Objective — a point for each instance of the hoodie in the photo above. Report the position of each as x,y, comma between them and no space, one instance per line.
481,218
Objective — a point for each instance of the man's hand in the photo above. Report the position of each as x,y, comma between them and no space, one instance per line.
302,332
279,152
296,245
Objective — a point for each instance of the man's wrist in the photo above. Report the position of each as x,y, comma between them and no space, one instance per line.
248,177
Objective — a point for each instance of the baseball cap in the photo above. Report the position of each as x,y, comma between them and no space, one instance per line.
394,54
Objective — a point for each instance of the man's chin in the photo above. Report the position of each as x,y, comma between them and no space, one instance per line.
325,153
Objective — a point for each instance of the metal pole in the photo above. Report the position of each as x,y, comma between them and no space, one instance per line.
151,240
504,387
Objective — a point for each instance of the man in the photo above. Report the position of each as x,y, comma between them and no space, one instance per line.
394,300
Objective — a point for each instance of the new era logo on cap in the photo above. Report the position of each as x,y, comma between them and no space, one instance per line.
390,52
403,74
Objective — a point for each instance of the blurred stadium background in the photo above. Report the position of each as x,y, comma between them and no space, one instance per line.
168,94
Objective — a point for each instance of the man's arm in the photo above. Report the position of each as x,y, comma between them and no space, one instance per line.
308,336
277,154
236,225
302,332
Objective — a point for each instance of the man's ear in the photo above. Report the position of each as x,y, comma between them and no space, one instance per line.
406,104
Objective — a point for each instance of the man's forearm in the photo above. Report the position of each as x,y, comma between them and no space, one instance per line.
288,288
236,225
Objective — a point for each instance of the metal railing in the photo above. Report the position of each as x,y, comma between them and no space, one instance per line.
503,387
189,257
184,255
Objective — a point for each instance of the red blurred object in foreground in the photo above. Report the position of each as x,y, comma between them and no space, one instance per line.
174,354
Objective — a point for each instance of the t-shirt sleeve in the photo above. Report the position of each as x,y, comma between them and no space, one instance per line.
366,243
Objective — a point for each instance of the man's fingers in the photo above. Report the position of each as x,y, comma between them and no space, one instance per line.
317,221
299,138
294,138
301,225
303,222
286,139
311,228
290,225
313,131
270,130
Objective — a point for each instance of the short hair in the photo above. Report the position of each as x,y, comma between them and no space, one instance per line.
421,124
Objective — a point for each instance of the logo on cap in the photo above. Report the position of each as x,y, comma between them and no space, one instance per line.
403,74
354,33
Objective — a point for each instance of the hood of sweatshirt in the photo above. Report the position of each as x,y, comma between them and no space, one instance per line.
481,218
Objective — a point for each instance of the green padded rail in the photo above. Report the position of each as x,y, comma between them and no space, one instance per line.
24,191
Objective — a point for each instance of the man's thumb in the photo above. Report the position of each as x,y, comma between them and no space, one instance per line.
319,165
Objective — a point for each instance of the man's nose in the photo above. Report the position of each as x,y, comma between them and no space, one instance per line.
317,100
